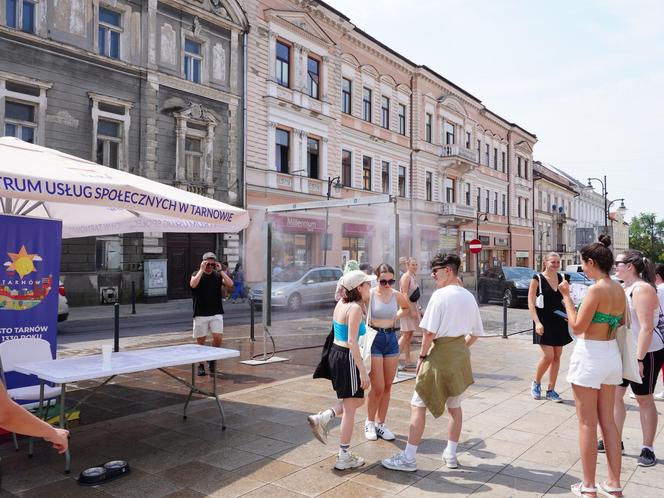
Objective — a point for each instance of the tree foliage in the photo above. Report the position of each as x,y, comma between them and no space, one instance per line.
646,233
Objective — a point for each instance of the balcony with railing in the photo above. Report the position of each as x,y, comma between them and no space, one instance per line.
451,213
458,158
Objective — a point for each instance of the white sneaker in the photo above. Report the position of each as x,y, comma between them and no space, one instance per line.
348,461
370,431
318,426
383,432
399,462
450,460
660,396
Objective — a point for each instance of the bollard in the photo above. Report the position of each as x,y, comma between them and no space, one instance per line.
252,310
504,317
116,334
133,298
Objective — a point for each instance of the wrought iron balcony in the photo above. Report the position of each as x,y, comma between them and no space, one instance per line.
458,151
453,213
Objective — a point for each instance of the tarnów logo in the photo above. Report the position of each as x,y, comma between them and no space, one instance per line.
23,287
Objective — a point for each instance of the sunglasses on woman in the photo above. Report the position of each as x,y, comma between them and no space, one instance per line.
387,282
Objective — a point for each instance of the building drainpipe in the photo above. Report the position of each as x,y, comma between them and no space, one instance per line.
410,174
509,197
245,88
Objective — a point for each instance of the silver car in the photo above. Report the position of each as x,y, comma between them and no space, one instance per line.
294,287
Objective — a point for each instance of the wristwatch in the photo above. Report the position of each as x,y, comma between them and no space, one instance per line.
423,357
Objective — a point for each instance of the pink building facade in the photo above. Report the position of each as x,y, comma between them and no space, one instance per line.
334,112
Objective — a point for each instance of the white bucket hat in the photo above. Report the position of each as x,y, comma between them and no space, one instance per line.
355,278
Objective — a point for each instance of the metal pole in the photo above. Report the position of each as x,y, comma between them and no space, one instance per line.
327,233
267,288
504,317
477,261
133,297
116,332
606,207
252,321
396,237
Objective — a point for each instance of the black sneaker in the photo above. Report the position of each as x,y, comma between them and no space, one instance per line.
201,370
646,458
601,449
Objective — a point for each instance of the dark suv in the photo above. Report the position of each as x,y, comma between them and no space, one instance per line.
508,282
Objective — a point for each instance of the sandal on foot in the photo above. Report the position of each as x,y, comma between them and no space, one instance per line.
579,489
605,490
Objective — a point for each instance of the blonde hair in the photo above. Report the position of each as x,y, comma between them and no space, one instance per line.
548,257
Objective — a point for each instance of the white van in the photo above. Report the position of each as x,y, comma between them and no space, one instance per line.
573,269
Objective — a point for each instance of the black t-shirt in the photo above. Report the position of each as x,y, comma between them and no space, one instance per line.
207,295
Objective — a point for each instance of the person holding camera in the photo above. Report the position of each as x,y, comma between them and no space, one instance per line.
206,292
545,303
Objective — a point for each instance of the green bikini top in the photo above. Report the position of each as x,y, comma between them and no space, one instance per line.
612,320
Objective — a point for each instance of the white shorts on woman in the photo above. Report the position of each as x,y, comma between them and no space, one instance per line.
594,363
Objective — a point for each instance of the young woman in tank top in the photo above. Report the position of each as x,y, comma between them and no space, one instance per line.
595,367
638,276
410,321
386,305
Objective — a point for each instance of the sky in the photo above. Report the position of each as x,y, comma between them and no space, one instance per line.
585,76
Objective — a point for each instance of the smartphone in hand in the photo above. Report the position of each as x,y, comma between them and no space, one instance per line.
561,314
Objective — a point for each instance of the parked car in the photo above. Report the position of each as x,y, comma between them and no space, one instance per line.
294,287
505,282
575,277
63,305
573,269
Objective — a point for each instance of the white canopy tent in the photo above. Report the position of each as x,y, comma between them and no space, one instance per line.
91,199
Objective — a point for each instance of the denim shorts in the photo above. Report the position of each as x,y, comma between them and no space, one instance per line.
385,343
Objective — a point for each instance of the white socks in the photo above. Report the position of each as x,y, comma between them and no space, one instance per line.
451,448
410,451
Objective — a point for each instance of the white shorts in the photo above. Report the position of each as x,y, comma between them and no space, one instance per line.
204,325
594,363
452,401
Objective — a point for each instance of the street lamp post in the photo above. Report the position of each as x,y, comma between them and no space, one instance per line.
484,218
606,200
336,183
541,236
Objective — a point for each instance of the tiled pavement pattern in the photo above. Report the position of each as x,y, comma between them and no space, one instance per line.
511,445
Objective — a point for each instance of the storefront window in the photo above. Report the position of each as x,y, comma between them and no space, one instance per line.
485,259
293,249
356,248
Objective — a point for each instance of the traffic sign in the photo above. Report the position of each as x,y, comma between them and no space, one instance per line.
475,246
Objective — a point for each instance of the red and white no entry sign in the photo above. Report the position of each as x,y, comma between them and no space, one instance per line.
475,246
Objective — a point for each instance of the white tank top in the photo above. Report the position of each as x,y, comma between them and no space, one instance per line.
656,343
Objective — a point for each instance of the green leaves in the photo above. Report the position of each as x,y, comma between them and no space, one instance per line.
646,233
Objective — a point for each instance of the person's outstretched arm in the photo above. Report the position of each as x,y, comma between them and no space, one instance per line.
15,418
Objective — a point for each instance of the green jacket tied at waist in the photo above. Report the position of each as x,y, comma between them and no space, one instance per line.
445,372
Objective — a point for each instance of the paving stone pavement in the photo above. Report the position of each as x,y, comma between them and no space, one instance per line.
511,445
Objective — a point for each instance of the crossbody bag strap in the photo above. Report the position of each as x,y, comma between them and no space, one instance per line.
539,277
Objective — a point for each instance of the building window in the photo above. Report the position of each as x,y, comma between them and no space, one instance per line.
402,119
468,140
20,121
283,64
402,181
313,146
503,162
504,204
385,112
495,203
449,190
385,177
346,168
20,14
427,127
110,28
518,167
429,185
467,193
479,199
518,202
366,172
487,202
525,208
449,134
313,77
525,169
346,100
192,158
192,61
479,151
282,150
109,141
495,158
486,154
366,105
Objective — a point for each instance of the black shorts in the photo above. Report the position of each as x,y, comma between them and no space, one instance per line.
652,364
345,374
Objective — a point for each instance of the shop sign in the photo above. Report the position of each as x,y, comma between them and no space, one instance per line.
522,254
298,225
359,230
500,241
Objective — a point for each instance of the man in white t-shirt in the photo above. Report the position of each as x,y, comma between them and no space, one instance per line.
659,282
452,319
